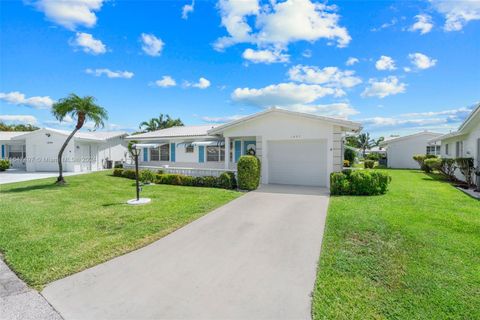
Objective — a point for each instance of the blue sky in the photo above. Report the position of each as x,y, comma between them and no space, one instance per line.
413,65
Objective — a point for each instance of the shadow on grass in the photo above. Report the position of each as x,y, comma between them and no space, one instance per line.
32,188
114,204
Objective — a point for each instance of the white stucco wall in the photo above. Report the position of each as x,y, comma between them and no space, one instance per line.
279,126
400,153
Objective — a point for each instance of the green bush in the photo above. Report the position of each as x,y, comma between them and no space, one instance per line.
167,178
433,164
359,182
368,164
420,158
129,174
118,172
467,168
227,180
118,166
373,156
448,168
160,171
248,171
4,164
349,155
147,176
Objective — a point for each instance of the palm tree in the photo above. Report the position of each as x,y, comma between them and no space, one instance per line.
150,125
364,142
162,122
82,109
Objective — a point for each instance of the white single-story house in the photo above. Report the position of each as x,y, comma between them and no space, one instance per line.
38,150
463,143
400,150
294,148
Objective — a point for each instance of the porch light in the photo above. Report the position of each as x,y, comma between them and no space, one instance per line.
136,149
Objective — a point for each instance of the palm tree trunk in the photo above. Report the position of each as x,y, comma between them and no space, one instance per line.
60,179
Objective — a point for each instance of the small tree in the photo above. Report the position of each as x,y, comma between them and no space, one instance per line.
82,109
448,168
364,142
349,155
466,167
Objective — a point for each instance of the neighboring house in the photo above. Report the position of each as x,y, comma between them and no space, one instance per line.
400,150
294,148
377,149
87,151
463,143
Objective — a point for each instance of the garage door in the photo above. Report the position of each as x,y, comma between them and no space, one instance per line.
299,162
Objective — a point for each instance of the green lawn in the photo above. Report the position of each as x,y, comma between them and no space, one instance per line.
48,232
413,253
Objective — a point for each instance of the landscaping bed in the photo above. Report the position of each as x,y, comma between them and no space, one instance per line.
48,232
412,253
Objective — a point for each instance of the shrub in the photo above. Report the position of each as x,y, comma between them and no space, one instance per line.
118,172
210,182
346,163
4,164
147,176
466,167
448,168
129,174
118,166
359,182
420,158
227,180
248,172
349,155
160,171
167,178
373,156
369,164
433,163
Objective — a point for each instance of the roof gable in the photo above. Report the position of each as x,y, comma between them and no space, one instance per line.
175,132
428,134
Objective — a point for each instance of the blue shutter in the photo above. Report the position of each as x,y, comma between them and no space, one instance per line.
201,154
238,150
172,152
3,151
145,154
246,143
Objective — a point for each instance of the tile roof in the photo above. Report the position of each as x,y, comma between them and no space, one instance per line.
184,131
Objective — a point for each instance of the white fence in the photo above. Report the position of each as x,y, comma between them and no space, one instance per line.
194,172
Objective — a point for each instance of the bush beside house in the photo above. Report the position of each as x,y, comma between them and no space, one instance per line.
359,182
4,164
248,171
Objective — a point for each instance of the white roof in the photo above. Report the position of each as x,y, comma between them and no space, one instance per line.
344,123
396,139
183,131
8,135
464,127
86,135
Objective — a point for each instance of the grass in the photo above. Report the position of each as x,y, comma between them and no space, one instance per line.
413,253
48,232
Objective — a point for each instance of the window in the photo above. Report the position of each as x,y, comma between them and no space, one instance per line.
16,151
215,154
189,149
459,149
231,151
154,154
433,150
446,149
165,152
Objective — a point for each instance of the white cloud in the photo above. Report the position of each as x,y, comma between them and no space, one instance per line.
28,119
457,13
351,61
283,94
384,87
307,53
330,76
385,63
151,45
423,24
187,9
109,73
279,23
19,98
70,13
88,43
221,119
386,25
421,61
202,83
165,82
265,56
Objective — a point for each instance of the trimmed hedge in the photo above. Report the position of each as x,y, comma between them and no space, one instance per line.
359,182
248,170
4,164
368,164
433,163
146,176
118,172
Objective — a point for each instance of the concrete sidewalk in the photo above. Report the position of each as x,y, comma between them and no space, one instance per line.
254,258
15,175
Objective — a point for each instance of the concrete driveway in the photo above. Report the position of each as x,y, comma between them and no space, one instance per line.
17,175
254,258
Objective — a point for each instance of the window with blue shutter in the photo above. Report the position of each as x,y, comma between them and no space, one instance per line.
245,146
3,151
145,154
238,150
201,154
172,152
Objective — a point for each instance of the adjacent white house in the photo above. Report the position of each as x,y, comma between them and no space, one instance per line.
463,143
400,150
38,150
294,148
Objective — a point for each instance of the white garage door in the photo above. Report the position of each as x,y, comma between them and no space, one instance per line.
299,162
